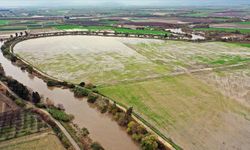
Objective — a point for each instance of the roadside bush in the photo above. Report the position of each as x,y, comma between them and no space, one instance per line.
20,102
60,115
92,97
80,92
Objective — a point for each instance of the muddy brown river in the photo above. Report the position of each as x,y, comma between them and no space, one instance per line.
101,126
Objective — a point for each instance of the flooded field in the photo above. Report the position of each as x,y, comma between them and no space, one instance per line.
98,60
136,72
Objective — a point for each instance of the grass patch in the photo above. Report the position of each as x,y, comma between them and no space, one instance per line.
59,115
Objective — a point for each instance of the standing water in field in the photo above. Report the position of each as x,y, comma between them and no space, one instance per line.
101,126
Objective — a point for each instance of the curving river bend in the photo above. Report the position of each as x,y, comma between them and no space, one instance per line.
101,126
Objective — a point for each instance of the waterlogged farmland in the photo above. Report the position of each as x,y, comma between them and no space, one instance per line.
185,89
92,59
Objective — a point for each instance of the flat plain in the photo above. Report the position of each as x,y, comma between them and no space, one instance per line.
183,88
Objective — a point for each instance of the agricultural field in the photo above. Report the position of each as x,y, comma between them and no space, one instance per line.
4,22
193,114
19,123
244,31
118,30
14,25
77,59
245,23
237,25
164,81
232,82
38,141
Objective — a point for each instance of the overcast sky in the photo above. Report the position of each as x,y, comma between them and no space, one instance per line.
17,3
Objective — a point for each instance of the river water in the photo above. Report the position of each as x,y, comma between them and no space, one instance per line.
101,126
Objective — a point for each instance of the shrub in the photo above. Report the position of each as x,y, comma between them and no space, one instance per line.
134,127
149,142
92,97
102,105
60,115
90,86
96,146
123,119
84,132
82,84
52,83
137,137
40,105
20,102
29,69
113,108
131,127
81,92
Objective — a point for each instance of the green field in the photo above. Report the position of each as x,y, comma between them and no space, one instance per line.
118,30
245,23
4,22
224,30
